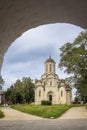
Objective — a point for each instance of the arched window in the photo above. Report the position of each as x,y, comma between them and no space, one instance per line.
46,68
50,67
50,83
39,93
61,93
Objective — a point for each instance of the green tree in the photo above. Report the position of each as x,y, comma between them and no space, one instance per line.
22,91
1,82
10,95
74,61
28,89
76,99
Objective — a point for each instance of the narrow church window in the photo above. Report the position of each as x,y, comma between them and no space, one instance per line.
50,83
39,93
61,93
46,68
54,68
44,83
50,67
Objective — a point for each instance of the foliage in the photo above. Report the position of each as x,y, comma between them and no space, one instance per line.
1,82
44,102
74,61
78,105
77,99
1,114
21,91
53,111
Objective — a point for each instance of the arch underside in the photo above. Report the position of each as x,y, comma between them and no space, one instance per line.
17,16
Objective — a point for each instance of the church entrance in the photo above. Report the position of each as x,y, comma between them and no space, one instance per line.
50,98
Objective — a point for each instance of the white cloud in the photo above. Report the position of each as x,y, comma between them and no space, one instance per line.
27,54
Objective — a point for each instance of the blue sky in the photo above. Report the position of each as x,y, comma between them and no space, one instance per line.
27,54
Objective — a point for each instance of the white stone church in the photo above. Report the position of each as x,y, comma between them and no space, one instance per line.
50,87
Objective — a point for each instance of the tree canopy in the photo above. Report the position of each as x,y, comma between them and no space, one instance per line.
1,82
74,61
22,91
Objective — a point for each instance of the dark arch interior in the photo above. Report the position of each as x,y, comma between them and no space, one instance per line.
18,16
50,98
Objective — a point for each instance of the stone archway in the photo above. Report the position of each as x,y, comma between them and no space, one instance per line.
17,16
50,96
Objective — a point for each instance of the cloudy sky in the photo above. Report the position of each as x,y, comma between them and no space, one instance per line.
27,54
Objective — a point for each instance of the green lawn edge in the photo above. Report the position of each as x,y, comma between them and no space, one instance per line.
51,112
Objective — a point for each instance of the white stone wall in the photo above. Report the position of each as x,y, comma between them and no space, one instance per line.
68,97
38,94
48,88
62,95
59,96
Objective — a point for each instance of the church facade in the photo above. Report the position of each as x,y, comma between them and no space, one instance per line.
50,87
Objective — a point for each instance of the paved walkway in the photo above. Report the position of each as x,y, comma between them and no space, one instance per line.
11,114
73,113
73,119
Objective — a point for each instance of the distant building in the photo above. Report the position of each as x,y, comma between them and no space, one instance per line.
50,87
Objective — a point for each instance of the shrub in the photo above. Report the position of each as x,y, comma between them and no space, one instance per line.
1,114
45,102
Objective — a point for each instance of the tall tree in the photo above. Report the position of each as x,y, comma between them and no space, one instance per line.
21,91
74,61
28,89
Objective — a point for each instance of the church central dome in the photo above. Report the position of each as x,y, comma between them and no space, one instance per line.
50,60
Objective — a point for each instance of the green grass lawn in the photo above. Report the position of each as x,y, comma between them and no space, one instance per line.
53,111
1,114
